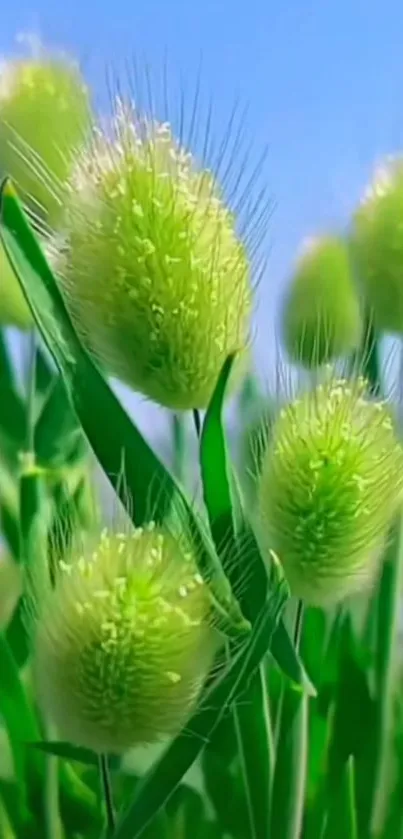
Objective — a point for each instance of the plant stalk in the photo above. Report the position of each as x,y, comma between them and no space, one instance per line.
256,752
106,786
387,648
288,792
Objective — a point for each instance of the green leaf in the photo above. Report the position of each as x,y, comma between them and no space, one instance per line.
159,784
33,555
342,820
387,657
233,536
187,816
235,541
57,432
152,490
290,770
352,722
215,470
10,797
288,660
223,784
256,751
17,714
241,557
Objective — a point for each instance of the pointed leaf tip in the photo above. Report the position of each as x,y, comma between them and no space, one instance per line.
7,189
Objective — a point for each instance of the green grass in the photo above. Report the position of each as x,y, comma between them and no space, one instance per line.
297,732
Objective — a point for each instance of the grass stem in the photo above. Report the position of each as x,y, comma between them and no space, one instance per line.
197,422
299,615
106,786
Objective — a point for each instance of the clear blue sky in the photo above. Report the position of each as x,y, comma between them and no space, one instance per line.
323,81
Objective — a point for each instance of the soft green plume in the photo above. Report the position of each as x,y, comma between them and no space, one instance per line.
44,117
377,243
321,316
155,276
330,485
123,641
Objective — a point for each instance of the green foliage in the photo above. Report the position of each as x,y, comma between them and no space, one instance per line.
268,726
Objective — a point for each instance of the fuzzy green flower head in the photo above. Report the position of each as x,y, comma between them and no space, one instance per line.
123,641
156,278
321,316
14,310
331,483
377,245
44,116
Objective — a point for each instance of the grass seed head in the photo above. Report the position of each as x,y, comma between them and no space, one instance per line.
123,641
44,116
377,244
321,316
330,485
155,275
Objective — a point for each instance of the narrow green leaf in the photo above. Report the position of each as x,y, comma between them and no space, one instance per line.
17,714
233,536
352,721
387,653
235,541
342,820
57,432
214,464
152,489
10,798
240,554
256,750
288,660
290,770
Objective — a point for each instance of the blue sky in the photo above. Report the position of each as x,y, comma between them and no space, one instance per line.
323,82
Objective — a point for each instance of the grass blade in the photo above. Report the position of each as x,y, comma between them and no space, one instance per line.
236,543
18,718
388,644
341,820
290,769
215,470
252,723
256,749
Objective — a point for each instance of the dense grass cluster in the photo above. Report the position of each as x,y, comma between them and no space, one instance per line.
218,664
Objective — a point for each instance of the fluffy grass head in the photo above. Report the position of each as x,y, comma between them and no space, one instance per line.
321,315
377,242
123,641
155,275
44,116
330,485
